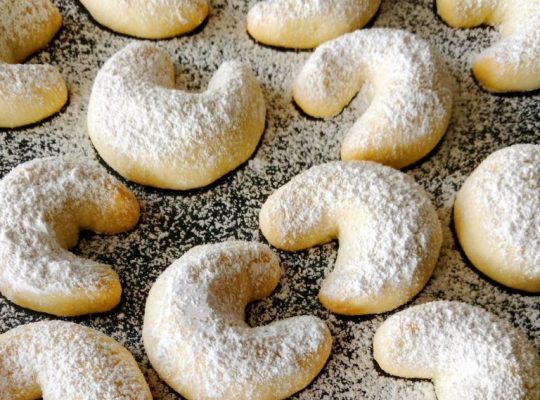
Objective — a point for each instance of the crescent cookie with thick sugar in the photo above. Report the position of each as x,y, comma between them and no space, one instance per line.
154,134
149,19
388,230
28,92
196,337
56,360
304,24
409,86
512,63
497,217
43,205
468,352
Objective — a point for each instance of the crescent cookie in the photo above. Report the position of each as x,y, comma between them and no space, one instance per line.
154,134
304,24
497,219
28,93
466,351
196,338
57,360
43,205
513,62
388,230
155,19
410,89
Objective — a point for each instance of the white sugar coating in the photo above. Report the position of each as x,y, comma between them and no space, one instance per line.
507,187
61,360
136,114
27,81
19,22
467,351
172,223
39,203
411,92
387,226
273,11
518,21
194,328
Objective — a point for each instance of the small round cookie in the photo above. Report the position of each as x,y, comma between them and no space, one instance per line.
388,230
150,19
196,338
466,351
497,218
43,205
154,134
57,360
304,24
410,88
28,93
512,63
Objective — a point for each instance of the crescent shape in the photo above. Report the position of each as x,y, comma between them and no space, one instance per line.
148,19
57,360
196,338
304,24
28,93
496,217
43,205
513,62
410,90
388,231
154,134
468,352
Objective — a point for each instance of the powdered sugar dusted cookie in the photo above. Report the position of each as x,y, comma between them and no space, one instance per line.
512,63
28,93
154,134
388,230
411,96
307,23
57,360
466,351
43,205
497,217
196,338
151,19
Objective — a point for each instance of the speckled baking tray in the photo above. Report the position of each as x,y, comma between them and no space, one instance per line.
173,222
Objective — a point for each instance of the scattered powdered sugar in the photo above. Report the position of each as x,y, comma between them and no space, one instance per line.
275,11
173,222
387,226
61,360
135,109
468,352
176,10
195,332
507,186
33,198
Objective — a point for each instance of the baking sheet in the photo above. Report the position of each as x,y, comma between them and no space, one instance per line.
173,222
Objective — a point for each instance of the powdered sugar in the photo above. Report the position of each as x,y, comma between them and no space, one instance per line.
33,198
468,352
387,227
174,222
274,11
412,93
195,333
507,184
61,360
136,114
